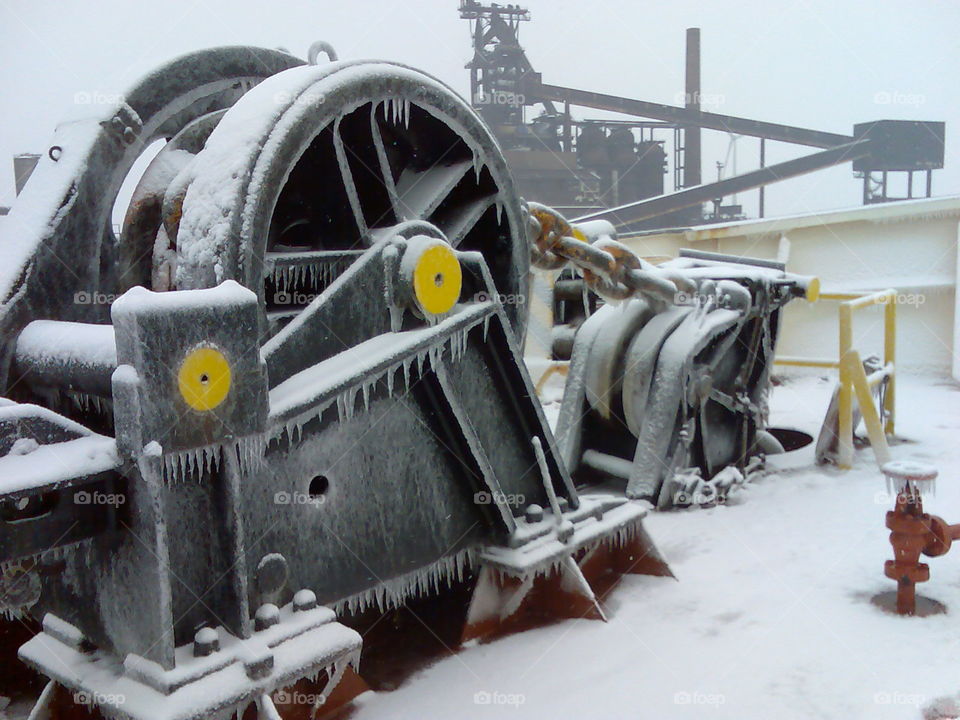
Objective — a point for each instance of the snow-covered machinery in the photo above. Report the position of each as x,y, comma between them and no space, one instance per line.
286,390
667,386
290,388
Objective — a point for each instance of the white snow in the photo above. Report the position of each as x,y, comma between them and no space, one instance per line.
227,294
58,462
770,614
308,393
69,343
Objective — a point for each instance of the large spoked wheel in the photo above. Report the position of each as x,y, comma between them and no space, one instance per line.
316,164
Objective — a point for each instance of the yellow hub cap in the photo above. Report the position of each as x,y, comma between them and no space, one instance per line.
204,378
437,279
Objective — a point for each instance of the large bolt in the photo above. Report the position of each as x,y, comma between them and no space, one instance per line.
304,600
533,513
267,615
205,642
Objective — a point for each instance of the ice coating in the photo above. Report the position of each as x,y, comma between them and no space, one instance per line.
58,463
301,398
194,462
28,223
423,581
251,135
69,342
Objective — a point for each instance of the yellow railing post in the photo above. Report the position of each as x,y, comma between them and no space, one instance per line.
871,416
845,397
853,379
889,351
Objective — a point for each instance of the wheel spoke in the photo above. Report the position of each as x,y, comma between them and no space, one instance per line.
459,226
385,169
347,176
420,193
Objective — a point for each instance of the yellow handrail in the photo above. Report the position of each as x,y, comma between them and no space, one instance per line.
853,379
557,366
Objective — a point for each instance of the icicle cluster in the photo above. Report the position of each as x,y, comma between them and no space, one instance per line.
86,402
317,275
623,535
334,672
397,110
421,582
180,464
346,400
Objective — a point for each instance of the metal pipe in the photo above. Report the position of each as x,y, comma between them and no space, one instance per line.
763,164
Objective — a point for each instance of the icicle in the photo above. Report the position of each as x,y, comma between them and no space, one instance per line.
352,400
366,397
486,326
477,164
421,358
406,113
406,373
499,207
390,373
396,318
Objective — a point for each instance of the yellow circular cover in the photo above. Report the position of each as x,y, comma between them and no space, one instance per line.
204,378
437,279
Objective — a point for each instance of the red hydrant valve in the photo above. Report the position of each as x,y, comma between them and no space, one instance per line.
912,532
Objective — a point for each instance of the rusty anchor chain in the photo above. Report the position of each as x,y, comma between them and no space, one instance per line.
608,267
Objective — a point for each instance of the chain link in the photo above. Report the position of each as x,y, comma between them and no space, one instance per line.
608,267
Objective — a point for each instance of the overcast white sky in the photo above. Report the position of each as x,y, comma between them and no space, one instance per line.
815,63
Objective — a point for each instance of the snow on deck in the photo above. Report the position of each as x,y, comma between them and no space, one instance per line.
769,616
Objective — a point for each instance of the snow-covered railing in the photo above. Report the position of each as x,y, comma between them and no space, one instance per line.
854,379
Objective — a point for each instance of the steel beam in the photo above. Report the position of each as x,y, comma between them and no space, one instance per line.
663,204
536,91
